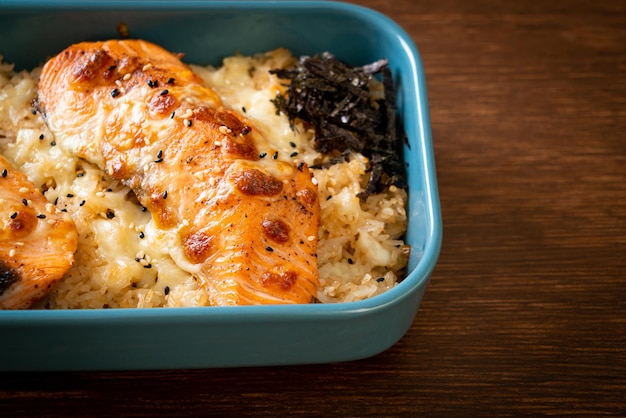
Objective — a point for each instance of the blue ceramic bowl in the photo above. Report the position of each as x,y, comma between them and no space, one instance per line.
31,31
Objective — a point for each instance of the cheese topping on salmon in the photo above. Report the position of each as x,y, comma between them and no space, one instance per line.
233,213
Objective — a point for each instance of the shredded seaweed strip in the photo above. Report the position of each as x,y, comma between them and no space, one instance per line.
335,99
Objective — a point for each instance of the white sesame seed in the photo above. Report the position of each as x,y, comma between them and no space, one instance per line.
19,244
50,207
185,222
23,190
127,77
100,194
311,237
118,83
12,252
186,121
146,67
51,221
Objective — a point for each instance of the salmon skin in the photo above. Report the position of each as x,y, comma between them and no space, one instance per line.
243,222
37,241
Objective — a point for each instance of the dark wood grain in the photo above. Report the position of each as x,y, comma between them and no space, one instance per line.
526,311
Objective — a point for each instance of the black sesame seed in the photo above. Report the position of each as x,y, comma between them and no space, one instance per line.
40,137
263,155
41,216
81,203
269,248
69,195
173,114
275,156
350,261
13,215
164,92
246,130
170,81
142,235
4,172
153,83
293,154
329,197
53,143
188,122
243,109
56,201
33,111
380,279
110,214
112,67
300,166
293,144
148,266
25,202
143,208
166,290
165,194
63,210
115,93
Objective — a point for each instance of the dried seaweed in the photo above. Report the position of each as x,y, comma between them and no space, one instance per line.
335,99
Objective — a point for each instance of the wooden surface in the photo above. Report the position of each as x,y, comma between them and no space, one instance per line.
526,311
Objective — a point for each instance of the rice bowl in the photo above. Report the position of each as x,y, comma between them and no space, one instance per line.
240,336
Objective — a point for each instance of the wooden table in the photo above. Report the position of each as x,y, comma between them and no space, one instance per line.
526,311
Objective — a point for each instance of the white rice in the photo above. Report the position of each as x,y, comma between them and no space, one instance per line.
121,262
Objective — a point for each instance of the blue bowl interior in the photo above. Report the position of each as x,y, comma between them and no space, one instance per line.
206,32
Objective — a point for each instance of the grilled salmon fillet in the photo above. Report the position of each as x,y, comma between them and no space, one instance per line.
234,214
37,241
